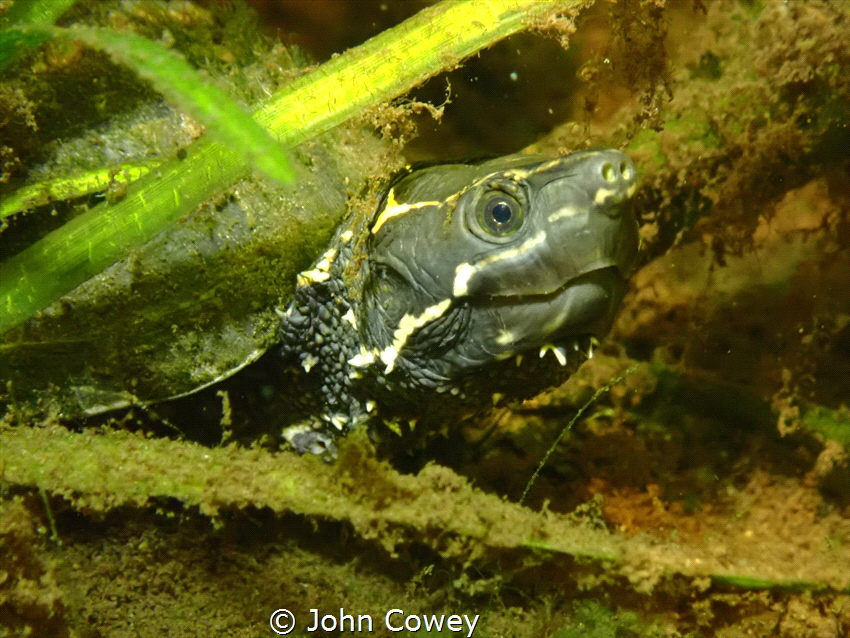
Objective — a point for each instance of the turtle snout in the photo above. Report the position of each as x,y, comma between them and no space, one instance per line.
616,168
614,177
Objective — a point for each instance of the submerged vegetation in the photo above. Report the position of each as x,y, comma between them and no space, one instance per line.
379,70
706,494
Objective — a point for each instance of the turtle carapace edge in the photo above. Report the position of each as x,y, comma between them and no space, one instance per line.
470,284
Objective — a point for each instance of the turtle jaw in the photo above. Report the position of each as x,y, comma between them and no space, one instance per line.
575,317
502,348
600,295
589,306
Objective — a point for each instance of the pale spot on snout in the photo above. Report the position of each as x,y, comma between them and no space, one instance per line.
563,213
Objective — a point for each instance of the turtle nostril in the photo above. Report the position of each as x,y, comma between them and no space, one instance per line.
609,174
626,170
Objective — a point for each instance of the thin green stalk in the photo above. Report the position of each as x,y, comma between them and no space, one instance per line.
51,190
384,67
183,86
36,13
569,426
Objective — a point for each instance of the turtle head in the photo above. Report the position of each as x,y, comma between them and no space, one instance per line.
472,265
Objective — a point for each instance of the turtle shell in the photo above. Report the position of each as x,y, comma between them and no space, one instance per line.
196,303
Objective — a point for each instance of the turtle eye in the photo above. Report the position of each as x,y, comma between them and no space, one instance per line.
500,215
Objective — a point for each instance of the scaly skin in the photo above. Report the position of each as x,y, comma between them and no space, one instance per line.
448,299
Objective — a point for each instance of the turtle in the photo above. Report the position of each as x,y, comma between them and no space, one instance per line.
381,329
463,286
471,285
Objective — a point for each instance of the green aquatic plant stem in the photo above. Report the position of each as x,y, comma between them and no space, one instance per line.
23,13
183,86
569,426
35,12
383,68
61,188
390,64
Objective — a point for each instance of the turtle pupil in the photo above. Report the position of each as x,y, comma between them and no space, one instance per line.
499,216
501,213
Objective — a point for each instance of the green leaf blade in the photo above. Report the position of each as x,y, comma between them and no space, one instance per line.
40,13
182,85
381,69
